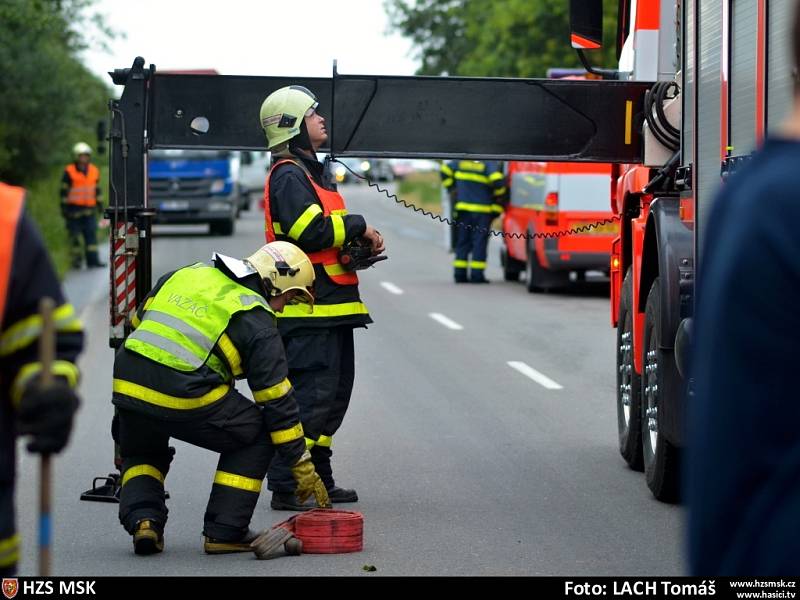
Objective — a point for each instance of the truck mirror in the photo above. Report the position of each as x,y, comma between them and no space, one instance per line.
586,24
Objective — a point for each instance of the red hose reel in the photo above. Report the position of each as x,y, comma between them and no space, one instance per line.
327,531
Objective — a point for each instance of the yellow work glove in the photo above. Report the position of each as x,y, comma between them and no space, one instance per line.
308,482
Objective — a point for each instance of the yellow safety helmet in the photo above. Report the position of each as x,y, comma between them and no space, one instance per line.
284,267
81,148
283,112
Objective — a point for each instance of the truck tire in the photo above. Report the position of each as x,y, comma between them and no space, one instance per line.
629,392
225,228
661,458
511,266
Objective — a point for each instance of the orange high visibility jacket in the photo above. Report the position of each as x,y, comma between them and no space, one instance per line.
11,202
83,191
332,204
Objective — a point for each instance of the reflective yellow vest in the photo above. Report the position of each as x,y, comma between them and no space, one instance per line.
187,316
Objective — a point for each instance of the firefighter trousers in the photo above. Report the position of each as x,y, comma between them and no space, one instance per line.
322,370
9,540
471,246
83,225
233,426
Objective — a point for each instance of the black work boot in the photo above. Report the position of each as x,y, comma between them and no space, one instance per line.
339,495
147,538
288,501
216,546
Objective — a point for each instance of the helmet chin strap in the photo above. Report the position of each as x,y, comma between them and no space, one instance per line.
271,290
301,141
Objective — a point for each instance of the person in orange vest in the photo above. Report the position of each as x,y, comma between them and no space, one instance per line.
26,276
301,209
80,205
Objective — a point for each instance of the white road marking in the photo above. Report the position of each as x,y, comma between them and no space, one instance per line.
449,323
539,378
390,287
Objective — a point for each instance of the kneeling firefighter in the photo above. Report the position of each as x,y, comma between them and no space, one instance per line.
200,328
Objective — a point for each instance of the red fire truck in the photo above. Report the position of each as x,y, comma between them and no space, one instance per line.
723,81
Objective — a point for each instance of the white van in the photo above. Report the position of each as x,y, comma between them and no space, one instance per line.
252,176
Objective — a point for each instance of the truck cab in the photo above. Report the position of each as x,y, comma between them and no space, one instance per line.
195,186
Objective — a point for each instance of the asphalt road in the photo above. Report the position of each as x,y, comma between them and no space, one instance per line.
481,436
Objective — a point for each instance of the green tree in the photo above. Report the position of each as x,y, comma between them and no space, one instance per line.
49,100
502,38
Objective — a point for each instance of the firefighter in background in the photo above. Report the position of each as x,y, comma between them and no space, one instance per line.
319,345
480,190
198,330
80,206
26,276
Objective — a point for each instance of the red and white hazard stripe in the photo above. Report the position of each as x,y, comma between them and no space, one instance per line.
123,279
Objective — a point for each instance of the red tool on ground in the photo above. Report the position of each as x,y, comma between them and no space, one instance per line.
318,531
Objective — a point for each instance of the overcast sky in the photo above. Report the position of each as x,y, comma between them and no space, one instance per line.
253,37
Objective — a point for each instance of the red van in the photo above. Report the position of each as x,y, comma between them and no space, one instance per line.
547,197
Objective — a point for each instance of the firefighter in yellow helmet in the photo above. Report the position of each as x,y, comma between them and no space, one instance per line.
81,204
301,208
199,329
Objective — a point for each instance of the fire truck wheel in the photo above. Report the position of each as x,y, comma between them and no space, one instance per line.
629,417
661,458
511,266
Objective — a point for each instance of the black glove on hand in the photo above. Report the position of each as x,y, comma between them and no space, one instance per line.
46,415
357,255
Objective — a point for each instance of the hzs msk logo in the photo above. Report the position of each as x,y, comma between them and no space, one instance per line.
10,588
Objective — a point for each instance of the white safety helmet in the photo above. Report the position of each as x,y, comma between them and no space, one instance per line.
283,112
284,267
81,148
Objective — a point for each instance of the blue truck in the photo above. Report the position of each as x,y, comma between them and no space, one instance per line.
195,186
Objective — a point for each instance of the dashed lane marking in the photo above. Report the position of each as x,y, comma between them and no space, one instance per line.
449,323
532,373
